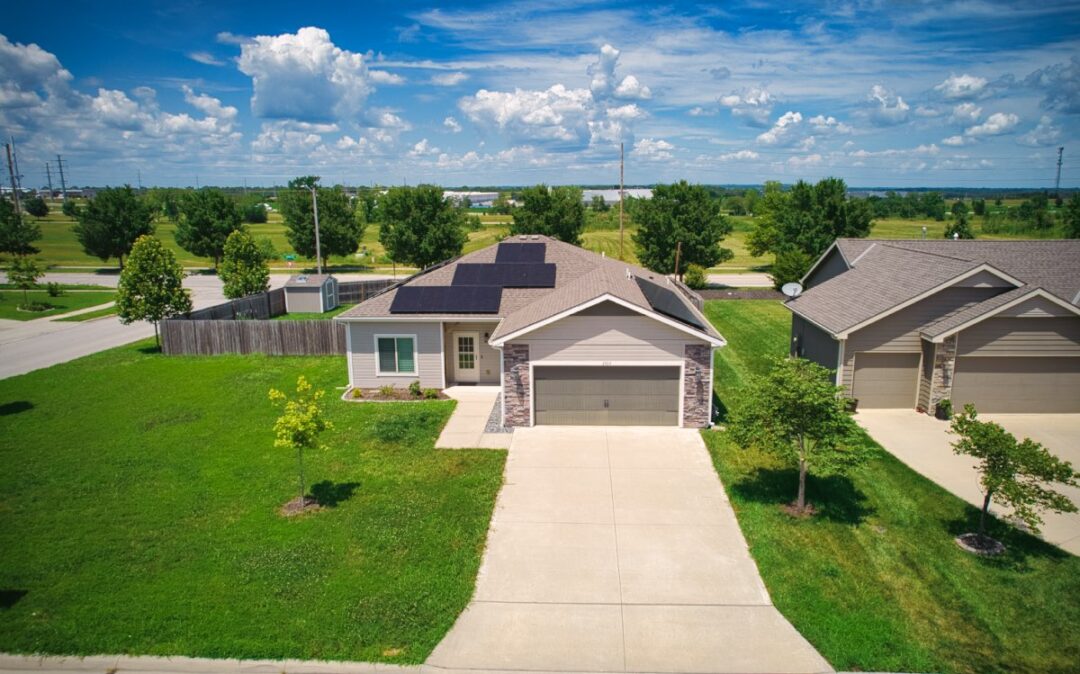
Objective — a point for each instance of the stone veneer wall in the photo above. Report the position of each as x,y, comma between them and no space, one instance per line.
696,373
516,384
942,379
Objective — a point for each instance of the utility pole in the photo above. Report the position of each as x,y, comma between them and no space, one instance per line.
139,174
621,197
63,185
48,174
15,159
678,254
14,182
1057,181
315,211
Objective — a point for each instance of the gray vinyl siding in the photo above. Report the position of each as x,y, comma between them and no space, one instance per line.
1021,337
1036,307
608,338
926,376
831,266
488,357
304,300
899,332
814,343
985,279
429,361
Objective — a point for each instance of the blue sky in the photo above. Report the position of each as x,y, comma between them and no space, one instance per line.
967,93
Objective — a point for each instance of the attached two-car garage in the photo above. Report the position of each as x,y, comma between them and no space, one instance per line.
606,396
1012,384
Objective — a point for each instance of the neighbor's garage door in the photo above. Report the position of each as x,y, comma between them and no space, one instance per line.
886,379
1017,384
606,396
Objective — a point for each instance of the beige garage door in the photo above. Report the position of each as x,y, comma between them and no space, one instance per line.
607,396
886,379
1013,384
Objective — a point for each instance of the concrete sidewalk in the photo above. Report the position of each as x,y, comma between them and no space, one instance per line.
616,550
924,444
466,426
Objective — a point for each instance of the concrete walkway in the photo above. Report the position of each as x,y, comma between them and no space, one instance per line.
465,428
749,279
923,443
616,550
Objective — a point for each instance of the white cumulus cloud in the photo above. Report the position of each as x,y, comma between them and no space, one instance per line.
384,77
1044,134
995,125
965,114
954,141
887,107
959,87
423,149
754,105
828,124
784,131
606,84
452,124
448,79
653,148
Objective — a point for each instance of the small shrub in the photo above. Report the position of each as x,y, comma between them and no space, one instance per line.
387,391
414,389
54,289
944,409
356,393
431,393
695,277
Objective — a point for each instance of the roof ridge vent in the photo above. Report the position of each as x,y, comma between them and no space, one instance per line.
629,274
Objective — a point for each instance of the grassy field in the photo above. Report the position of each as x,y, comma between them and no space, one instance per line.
69,301
89,315
874,580
138,514
304,316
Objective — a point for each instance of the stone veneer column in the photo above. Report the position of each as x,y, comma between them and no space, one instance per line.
515,384
696,372
942,379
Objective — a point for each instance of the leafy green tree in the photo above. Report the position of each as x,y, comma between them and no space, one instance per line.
695,277
680,213
24,273
978,207
797,413
735,205
598,204
36,207
165,201
340,230
420,226
17,234
933,205
1018,475
808,218
751,197
70,208
207,218
556,212
243,268
110,223
302,421
959,207
151,285
1071,216
254,210
959,228
790,265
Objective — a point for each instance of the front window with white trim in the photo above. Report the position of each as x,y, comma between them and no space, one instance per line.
395,354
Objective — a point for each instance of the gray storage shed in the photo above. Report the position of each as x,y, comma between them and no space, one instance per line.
311,293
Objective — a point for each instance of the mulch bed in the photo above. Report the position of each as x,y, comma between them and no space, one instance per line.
794,510
398,395
979,544
747,294
299,506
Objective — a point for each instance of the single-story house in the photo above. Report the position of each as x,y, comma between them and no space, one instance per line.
908,323
571,337
311,293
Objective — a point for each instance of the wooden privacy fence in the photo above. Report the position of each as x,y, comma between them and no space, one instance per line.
355,292
253,307
275,338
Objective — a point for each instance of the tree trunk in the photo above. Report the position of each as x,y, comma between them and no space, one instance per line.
300,464
801,501
982,515
157,339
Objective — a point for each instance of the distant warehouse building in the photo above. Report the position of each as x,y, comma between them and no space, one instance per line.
612,196
476,199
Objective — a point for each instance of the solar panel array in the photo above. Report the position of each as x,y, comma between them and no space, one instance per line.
446,300
520,252
514,275
667,302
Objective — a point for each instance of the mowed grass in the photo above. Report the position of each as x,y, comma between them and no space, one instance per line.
874,580
314,316
69,301
138,515
89,315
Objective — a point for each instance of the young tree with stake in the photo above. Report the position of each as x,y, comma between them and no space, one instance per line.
151,285
797,413
24,273
298,428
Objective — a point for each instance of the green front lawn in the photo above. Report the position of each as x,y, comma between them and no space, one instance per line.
874,581
305,316
138,514
70,301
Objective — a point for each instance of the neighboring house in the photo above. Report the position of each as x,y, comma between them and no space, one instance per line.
572,337
908,323
311,293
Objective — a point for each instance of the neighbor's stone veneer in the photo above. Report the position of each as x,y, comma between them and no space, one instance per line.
516,384
696,372
942,378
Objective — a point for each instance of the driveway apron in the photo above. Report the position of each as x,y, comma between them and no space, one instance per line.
616,550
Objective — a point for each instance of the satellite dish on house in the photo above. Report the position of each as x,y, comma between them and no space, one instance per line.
791,289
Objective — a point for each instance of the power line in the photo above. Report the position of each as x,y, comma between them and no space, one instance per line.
14,181
48,174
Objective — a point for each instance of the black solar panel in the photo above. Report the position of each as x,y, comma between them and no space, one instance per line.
446,300
667,302
515,275
521,252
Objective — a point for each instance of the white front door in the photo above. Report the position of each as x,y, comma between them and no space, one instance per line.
466,346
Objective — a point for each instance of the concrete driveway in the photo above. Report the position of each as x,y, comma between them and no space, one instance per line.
922,443
616,550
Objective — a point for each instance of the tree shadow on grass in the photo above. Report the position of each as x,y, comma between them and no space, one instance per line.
331,494
9,598
834,497
15,406
150,349
1020,546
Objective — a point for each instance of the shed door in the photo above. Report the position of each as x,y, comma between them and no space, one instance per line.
884,380
606,396
1017,384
